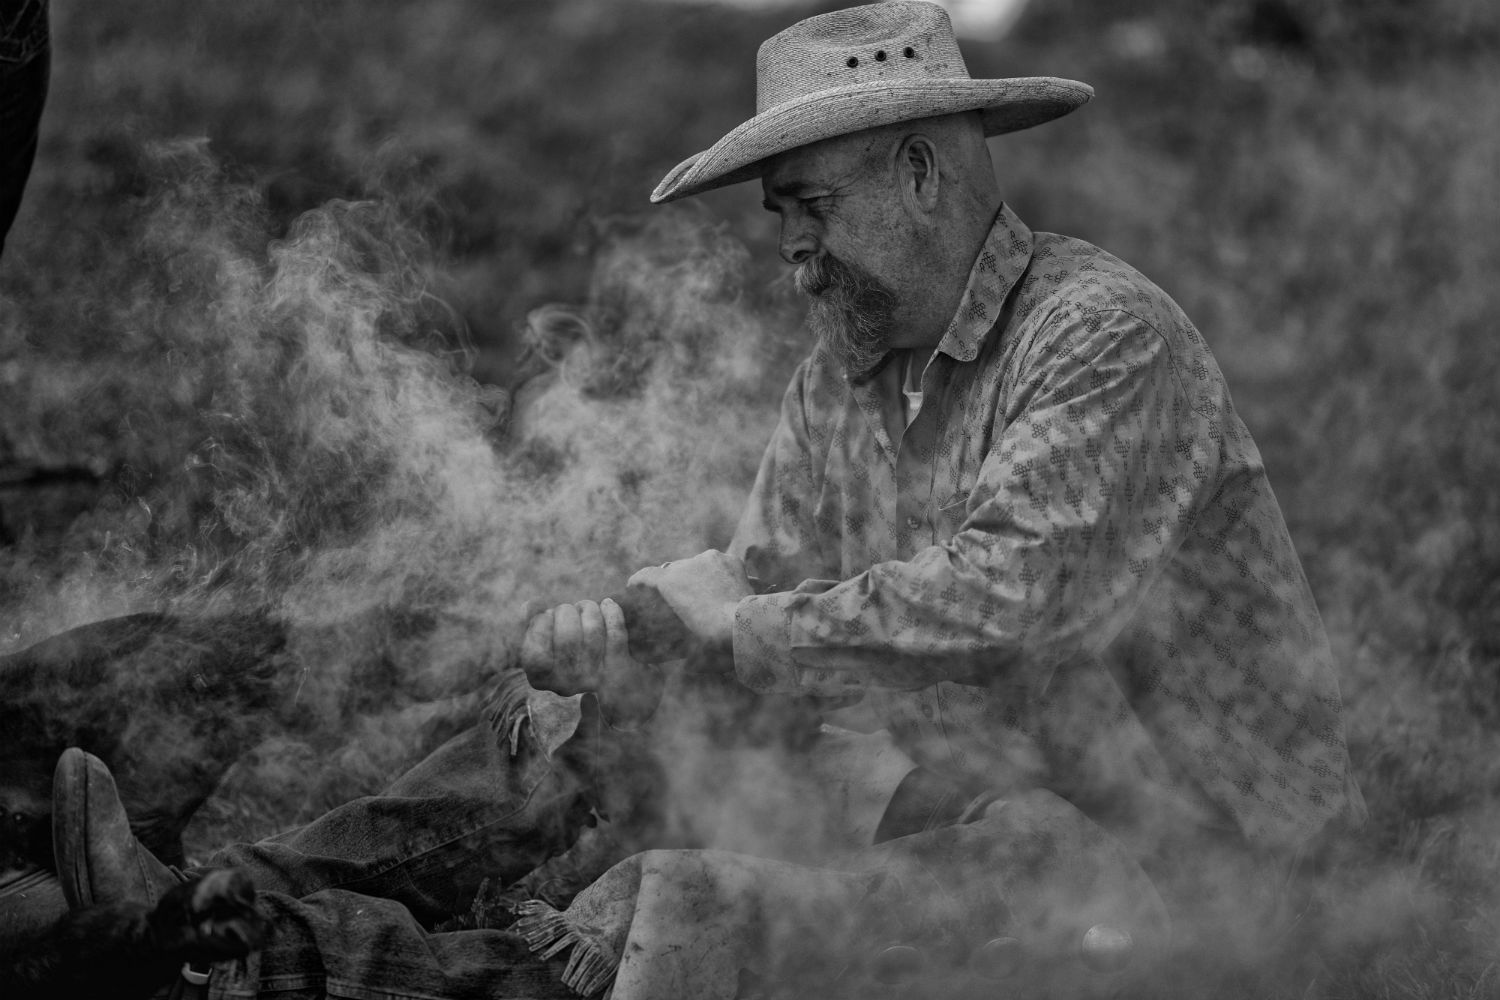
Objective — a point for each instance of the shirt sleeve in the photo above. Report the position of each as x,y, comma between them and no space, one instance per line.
1085,496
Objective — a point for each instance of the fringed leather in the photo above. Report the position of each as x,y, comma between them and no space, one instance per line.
548,933
514,704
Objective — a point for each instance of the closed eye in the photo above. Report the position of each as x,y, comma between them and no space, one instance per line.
817,207
808,197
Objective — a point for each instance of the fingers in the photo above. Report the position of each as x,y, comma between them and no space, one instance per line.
571,639
616,639
586,647
537,645
592,632
567,635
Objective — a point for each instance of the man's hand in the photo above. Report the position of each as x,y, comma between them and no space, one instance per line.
574,646
703,591
584,647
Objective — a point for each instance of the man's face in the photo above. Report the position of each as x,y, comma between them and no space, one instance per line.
842,225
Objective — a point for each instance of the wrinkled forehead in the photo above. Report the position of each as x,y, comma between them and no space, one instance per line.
829,162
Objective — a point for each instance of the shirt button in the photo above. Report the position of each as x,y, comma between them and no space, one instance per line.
913,522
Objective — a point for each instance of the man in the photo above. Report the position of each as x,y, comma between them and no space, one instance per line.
1009,508
1009,501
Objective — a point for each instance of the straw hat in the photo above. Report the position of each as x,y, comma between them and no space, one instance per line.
861,68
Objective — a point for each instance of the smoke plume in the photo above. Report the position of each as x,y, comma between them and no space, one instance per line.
286,427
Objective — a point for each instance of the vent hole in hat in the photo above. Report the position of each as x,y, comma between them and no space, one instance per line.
880,56
853,61
909,52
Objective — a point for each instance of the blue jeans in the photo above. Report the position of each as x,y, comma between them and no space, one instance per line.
25,64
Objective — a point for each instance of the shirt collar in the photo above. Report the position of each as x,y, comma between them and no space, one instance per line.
1002,260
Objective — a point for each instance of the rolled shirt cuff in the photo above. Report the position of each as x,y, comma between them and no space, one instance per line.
766,635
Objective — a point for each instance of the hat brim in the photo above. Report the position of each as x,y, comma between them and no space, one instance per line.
1006,105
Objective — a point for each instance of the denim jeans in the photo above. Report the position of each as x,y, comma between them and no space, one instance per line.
351,896
336,943
468,812
349,893
25,65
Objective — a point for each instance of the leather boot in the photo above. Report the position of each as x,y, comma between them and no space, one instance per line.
98,858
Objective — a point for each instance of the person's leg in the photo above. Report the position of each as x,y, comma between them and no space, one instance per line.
1027,893
803,804
25,65
331,943
470,811
342,944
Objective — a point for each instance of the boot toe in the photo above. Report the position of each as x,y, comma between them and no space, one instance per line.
98,859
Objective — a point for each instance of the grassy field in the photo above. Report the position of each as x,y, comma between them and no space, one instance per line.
355,306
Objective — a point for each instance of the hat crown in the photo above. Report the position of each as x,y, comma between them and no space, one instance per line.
860,45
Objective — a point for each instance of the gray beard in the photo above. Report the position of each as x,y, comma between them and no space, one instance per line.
852,312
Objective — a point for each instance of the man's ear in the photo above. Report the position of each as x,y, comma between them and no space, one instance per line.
917,167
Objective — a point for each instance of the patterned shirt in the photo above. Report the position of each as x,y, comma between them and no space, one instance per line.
1068,569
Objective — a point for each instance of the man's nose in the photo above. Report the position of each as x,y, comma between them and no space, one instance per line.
796,244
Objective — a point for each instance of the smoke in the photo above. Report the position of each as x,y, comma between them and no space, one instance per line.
291,437
285,427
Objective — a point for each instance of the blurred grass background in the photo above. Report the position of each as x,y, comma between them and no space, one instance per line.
1318,183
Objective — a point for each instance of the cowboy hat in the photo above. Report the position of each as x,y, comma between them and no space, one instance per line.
862,68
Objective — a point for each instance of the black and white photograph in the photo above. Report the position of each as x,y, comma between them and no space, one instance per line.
749,499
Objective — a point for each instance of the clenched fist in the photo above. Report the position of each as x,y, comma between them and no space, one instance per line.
584,647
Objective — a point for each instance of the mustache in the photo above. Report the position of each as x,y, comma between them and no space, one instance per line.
852,284
818,274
